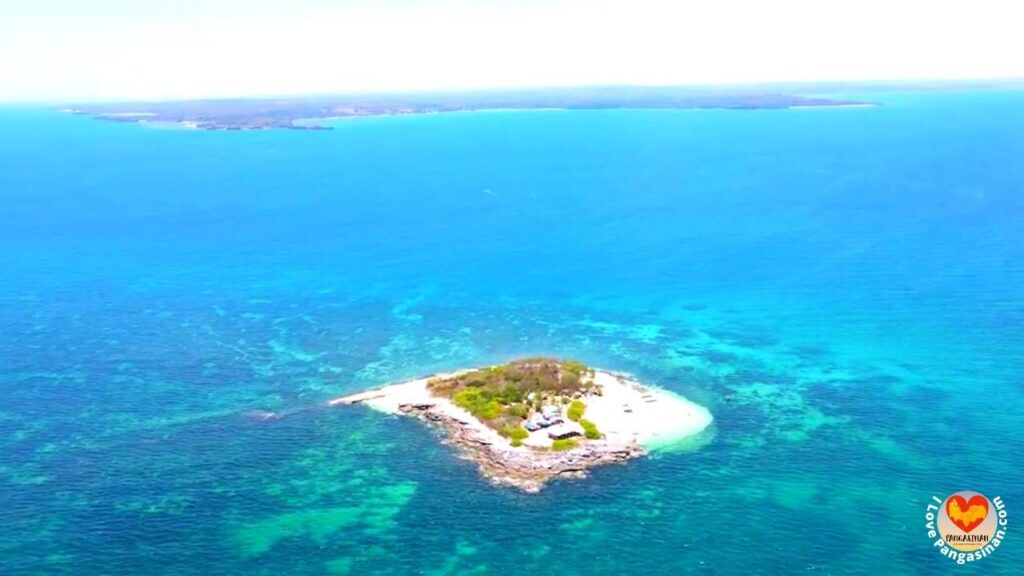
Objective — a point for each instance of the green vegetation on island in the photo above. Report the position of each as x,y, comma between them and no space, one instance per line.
590,429
564,444
505,397
575,411
514,433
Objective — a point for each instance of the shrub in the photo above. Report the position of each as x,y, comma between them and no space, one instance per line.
512,394
590,429
564,444
575,411
516,442
478,402
547,381
514,432
574,367
467,398
490,410
518,410
570,381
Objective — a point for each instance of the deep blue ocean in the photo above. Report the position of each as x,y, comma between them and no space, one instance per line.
843,289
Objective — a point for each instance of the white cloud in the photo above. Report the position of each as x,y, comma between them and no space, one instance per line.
59,49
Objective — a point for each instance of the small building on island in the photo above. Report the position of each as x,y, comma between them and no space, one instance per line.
563,431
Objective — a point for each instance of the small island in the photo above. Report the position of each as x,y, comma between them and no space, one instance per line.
534,419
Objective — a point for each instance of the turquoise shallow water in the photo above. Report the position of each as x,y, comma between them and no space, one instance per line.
843,288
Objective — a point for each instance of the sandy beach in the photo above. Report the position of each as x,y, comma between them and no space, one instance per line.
391,399
628,411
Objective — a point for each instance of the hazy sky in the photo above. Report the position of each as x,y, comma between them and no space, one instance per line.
124,49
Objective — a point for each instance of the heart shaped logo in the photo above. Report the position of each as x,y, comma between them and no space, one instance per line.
967,514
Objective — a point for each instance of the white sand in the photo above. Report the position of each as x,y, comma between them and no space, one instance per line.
626,412
389,398
655,418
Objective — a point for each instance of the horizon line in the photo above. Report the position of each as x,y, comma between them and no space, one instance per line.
908,83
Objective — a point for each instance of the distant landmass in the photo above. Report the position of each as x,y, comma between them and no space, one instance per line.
301,113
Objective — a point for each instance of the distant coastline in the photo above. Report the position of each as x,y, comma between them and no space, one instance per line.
839,105
308,113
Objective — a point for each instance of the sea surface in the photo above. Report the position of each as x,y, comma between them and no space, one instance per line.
843,289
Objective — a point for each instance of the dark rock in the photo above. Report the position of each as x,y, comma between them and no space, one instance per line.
524,468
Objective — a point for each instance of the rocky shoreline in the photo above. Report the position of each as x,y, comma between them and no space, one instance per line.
527,469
